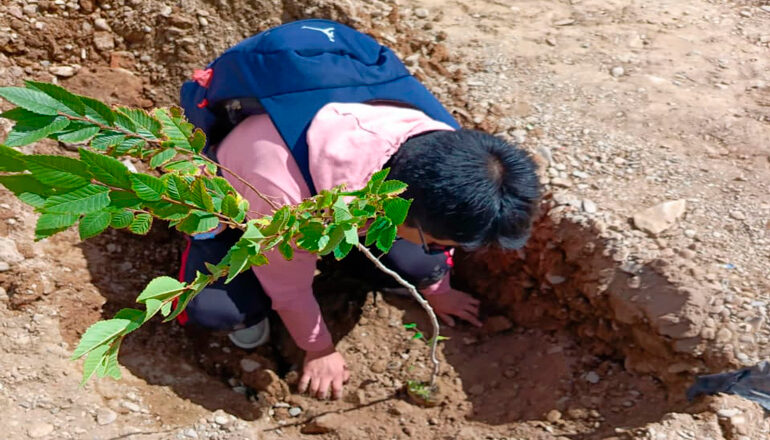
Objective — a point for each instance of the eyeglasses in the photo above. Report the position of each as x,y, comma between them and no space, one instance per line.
432,248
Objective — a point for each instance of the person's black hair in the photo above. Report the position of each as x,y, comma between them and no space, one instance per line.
469,187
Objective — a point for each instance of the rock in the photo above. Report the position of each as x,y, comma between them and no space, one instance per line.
554,279
724,335
660,217
3,294
190,433
745,13
101,24
553,416
550,41
379,366
203,21
765,8
325,424
726,413
8,251
104,41
558,181
421,13
165,11
250,365
617,71
4,267
62,71
520,136
131,406
592,377
589,206
295,411
738,215
105,416
40,429
221,420
497,324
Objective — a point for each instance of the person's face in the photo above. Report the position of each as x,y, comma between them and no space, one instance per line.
430,244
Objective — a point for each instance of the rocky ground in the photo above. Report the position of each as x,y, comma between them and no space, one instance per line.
650,264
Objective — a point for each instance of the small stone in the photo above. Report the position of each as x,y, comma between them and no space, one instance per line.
203,21
745,13
550,41
765,8
8,251
105,416
497,324
592,377
738,215
476,390
379,366
38,430
295,411
191,433
724,335
553,416
326,423
221,420
4,267
617,71
249,365
554,279
564,183
690,233
589,206
660,217
520,136
727,413
165,11
131,406
101,24
421,13
62,71
104,41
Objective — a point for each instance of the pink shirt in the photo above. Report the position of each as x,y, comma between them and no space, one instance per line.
347,143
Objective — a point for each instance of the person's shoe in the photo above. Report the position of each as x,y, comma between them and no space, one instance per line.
251,337
398,291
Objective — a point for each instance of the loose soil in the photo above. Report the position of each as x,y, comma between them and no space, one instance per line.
593,331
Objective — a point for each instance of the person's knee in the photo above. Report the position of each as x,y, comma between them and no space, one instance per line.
210,309
413,264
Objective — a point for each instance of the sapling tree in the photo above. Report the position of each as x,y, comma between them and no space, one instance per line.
96,191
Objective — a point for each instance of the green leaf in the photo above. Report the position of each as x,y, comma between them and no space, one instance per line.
342,250
220,186
32,100
93,224
351,234
11,160
147,187
341,212
336,235
239,260
124,122
107,139
178,187
58,171
50,224
198,140
106,169
183,166
197,222
135,316
18,114
121,219
110,366
386,238
397,209
162,157
200,282
22,135
141,224
252,233
172,131
379,225
98,334
160,288
243,209
310,236
124,199
127,146
89,198
147,126
392,187
93,361
78,136
98,111
168,211
230,206
325,199
166,309
280,218
411,325
153,306
200,195
286,250
72,105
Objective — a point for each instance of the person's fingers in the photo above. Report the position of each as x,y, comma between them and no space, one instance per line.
473,308
346,375
448,320
304,381
323,389
470,318
315,384
473,300
337,387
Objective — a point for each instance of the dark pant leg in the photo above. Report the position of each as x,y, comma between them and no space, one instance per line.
220,306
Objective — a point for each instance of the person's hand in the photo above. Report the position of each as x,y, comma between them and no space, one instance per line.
324,369
455,303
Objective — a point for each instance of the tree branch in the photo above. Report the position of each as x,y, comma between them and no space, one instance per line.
423,302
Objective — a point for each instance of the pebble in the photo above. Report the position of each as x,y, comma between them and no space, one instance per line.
745,13
738,215
724,334
38,430
191,433
553,416
660,217
131,406
421,13
555,279
690,233
203,21
105,416
165,11
564,183
592,377
589,206
728,412
62,71
249,365
617,71
101,24
765,8
295,411
4,267
221,420
8,251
